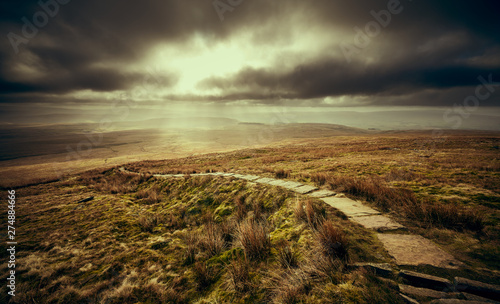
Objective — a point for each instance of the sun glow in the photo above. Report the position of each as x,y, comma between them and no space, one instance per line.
199,63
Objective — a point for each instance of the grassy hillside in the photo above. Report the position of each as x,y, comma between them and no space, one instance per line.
208,239
200,239
446,188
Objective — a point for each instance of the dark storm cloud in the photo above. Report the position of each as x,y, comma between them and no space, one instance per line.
338,78
429,45
88,33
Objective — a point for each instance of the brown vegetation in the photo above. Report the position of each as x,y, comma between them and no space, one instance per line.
253,237
214,239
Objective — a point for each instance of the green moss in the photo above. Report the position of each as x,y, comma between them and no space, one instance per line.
226,256
223,210
289,231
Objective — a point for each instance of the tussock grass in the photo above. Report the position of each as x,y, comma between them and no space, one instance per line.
241,208
192,241
332,242
319,179
253,237
286,256
205,275
291,286
149,196
310,212
372,189
148,221
212,240
238,272
281,173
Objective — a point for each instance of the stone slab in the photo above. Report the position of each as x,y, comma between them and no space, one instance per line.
265,180
417,250
379,269
472,297
291,185
422,292
426,281
456,301
322,193
277,182
304,189
478,288
408,300
250,177
349,207
377,222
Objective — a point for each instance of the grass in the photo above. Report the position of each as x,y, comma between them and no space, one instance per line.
148,222
253,237
451,183
286,256
333,242
224,240
427,212
206,239
238,272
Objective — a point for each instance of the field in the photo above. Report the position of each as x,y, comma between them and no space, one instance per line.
208,239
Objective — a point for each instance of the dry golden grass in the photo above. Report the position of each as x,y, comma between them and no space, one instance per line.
253,237
446,183
333,242
376,190
280,173
113,249
238,272
287,257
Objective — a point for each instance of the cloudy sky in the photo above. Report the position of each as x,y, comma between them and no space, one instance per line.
311,54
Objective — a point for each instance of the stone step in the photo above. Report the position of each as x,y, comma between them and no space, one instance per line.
377,222
477,288
426,281
424,292
408,300
416,250
473,297
456,301
380,269
349,207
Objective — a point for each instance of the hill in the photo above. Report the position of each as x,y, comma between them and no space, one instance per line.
159,232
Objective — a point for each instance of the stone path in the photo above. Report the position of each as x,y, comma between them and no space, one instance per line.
406,249
410,249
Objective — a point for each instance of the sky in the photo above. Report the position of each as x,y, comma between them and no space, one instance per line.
222,55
